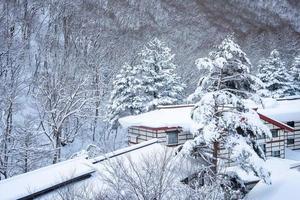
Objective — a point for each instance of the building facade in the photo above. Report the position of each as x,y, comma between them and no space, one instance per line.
287,111
293,139
169,136
282,134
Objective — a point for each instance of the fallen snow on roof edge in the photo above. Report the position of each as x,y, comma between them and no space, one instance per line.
175,117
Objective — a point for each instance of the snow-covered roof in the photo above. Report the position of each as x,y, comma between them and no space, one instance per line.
163,117
21,186
55,176
135,154
180,116
283,110
143,151
285,182
141,147
285,178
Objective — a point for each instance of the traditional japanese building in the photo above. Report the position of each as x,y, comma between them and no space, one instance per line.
172,124
287,111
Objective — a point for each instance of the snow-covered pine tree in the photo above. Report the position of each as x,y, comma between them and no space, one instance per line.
161,84
225,121
143,86
230,64
222,118
295,71
126,98
274,74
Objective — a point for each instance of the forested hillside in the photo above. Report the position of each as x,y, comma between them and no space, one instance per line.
58,60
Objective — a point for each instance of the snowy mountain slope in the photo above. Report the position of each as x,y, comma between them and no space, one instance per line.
193,27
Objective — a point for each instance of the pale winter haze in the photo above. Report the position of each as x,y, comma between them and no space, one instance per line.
78,75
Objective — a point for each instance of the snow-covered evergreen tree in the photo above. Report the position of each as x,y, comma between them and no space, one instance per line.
295,71
141,87
274,74
126,98
230,64
223,120
161,84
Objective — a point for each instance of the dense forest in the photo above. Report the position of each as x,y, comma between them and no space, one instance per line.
58,61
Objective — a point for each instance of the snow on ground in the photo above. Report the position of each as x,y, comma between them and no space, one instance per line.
167,117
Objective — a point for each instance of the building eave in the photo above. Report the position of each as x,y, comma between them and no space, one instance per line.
276,123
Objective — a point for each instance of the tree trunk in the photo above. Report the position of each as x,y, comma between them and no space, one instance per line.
27,139
26,161
57,153
7,136
97,104
215,157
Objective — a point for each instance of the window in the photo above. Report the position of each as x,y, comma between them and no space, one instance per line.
274,133
290,141
172,137
276,153
134,138
291,124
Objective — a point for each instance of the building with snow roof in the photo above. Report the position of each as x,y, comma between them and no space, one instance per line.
46,182
286,110
173,126
285,178
93,175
